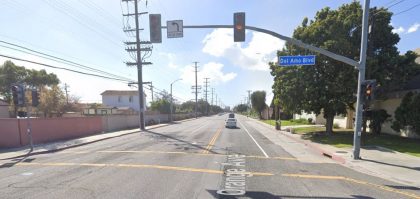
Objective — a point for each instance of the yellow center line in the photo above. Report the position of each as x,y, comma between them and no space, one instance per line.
385,188
178,153
212,141
160,167
213,171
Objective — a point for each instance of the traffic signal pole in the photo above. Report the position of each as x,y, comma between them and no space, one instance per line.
362,68
360,65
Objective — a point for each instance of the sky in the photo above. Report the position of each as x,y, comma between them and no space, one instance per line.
90,32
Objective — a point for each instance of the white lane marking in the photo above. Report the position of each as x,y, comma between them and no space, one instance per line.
246,130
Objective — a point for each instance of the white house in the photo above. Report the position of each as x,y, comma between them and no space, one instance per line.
120,98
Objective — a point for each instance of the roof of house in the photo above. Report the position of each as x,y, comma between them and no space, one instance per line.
121,92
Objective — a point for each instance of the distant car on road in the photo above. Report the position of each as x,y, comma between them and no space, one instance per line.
231,123
231,115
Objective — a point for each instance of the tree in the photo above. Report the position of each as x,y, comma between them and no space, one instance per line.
408,113
161,105
258,101
12,74
377,118
216,109
241,108
188,106
328,87
52,101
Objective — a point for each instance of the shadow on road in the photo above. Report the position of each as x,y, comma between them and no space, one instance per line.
404,187
395,165
266,195
16,161
179,140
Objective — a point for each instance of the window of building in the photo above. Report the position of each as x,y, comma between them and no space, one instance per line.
119,98
130,99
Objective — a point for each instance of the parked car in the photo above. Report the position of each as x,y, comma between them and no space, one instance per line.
231,123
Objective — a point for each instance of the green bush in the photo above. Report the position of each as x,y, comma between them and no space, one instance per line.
302,121
377,118
336,126
408,113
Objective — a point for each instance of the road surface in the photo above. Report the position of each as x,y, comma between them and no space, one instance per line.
193,159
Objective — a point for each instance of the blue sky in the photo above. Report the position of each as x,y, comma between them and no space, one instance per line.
90,32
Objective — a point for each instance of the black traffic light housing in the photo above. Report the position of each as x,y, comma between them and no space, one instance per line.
35,98
368,90
239,26
155,26
18,93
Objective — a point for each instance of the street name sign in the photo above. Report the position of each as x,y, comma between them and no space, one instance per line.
296,60
175,29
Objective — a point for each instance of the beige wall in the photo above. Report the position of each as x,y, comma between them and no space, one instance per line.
13,131
4,111
119,122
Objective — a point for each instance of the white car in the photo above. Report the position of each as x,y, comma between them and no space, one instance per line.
231,123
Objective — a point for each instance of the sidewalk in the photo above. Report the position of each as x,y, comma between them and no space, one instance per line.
60,145
376,161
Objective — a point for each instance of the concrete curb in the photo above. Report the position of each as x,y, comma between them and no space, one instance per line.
313,145
86,143
321,151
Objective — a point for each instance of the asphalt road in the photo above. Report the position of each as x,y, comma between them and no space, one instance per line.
194,159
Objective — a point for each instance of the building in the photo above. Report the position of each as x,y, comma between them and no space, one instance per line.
4,109
122,98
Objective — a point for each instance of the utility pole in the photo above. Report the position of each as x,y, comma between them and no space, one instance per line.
138,58
196,88
216,99
65,89
212,92
249,98
172,99
362,68
206,85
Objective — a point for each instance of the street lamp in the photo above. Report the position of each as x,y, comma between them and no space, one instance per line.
171,119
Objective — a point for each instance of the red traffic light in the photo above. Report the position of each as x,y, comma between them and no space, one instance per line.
239,27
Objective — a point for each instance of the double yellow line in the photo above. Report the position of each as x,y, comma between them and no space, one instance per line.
212,141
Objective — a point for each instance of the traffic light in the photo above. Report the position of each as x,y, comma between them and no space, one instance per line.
155,28
239,27
35,98
18,93
15,90
368,90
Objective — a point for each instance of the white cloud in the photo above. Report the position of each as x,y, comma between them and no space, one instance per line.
413,28
171,59
260,50
212,70
398,30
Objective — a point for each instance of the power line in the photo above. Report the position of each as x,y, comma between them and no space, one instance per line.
66,9
395,4
61,68
407,9
58,59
